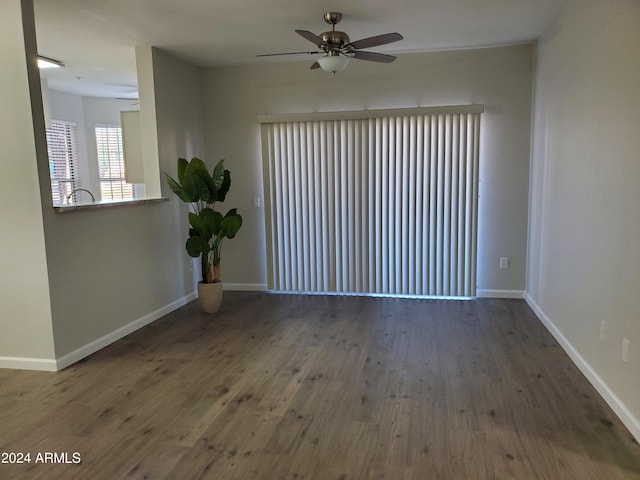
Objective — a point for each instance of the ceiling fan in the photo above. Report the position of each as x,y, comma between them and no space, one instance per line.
338,50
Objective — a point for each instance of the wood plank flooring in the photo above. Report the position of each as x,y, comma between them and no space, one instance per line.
321,387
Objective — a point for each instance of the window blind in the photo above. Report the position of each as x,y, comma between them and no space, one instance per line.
386,204
62,148
111,168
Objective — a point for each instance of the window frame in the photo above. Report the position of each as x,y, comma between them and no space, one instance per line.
117,188
67,154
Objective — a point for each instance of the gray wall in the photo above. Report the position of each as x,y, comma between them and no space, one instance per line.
25,313
73,282
111,267
501,78
87,112
584,261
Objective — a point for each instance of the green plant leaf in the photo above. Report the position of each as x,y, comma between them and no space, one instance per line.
232,212
194,187
195,166
194,182
218,175
198,168
208,227
211,197
182,166
224,188
216,222
197,246
177,189
209,221
194,221
230,225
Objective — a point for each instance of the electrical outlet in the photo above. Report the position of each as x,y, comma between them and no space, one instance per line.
504,263
603,327
256,202
625,350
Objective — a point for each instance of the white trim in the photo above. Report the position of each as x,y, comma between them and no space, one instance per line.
366,114
25,363
481,292
121,332
367,294
248,287
620,409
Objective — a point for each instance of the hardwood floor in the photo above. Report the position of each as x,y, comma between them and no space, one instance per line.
321,387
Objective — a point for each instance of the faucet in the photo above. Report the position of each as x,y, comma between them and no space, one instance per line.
93,199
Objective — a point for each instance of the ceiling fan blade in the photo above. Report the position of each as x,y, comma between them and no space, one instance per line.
315,65
376,41
312,37
374,57
286,53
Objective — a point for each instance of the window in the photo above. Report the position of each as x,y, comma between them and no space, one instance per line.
62,147
113,185
378,202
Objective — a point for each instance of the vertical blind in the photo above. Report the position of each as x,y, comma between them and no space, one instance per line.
373,202
111,169
62,148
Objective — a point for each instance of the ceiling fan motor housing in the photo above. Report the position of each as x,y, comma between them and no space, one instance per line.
339,50
335,39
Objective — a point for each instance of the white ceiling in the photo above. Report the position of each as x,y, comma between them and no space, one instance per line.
96,38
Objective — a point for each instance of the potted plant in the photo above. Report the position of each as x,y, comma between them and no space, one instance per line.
208,227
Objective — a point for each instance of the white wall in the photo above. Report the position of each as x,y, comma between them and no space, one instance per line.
87,112
67,107
584,260
99,111
73,282
148,120
111,268
501,78
25,313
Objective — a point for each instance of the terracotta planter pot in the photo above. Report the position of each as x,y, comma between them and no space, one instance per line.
210,296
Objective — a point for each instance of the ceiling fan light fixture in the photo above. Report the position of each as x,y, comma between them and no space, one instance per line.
334,63
338,49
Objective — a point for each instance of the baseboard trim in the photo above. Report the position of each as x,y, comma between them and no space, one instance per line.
262,287
247,287
100,343
499,293
620,409
25,363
